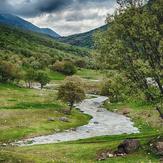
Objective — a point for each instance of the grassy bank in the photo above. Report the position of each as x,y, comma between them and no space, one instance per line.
25,113
145,117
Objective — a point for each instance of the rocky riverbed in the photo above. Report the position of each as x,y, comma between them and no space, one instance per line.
103,122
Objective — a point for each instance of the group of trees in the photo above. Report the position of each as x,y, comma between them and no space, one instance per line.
133,46
64,67
36,76
10,72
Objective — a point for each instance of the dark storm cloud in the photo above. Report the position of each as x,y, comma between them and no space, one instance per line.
32,8
64,16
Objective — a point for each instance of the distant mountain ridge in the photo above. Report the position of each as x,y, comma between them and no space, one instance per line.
82,39
12,20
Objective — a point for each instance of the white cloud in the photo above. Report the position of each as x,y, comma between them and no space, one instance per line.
72,21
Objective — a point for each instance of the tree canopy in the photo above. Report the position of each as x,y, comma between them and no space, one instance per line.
133,44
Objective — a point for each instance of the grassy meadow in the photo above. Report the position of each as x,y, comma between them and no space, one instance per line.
25,112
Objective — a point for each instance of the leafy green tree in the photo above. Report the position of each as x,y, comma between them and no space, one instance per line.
64,67
81,63
132,44
42,77
71,91
9,72
69,69
30,76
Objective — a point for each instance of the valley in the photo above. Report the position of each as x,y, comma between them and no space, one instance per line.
89,97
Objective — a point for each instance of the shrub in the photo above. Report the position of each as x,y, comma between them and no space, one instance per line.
66,68
9,72
81,63
69,69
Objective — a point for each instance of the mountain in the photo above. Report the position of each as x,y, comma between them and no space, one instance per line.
82,39
16,21
24,43
49,32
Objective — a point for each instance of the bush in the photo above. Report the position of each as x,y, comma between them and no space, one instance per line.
9,72
80,63
58,66
69,69
117,87
66,68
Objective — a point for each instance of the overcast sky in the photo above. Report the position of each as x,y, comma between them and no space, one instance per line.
66,17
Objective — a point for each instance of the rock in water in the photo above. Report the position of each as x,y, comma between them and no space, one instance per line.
128,146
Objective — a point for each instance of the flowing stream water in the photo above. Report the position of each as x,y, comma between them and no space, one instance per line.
103,122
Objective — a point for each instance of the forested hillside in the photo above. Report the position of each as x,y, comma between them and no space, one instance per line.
82,39
15,21
24,44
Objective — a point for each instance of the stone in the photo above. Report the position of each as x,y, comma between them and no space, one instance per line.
103,155
51,119
100,110
73,129
110,155
126,111
66,111
4,145
128,146
64,119
157,146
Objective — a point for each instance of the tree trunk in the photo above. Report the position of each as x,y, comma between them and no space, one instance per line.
29,84
159,84
159,110
71,106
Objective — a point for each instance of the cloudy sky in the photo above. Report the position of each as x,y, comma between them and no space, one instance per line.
64,16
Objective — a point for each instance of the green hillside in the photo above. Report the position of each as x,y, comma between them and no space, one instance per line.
82,39
28,44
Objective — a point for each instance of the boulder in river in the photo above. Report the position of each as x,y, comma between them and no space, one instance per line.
100,110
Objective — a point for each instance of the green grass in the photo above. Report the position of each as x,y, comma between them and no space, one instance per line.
144,115
55,75
31,120
79,152
25,112
90,74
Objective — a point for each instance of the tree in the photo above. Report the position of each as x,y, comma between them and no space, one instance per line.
132,44
9,71
42,78
116,87
69,69
71,91
64,67
30,76
81,63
